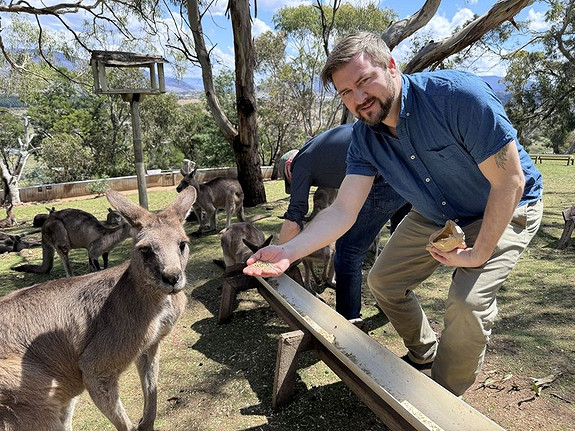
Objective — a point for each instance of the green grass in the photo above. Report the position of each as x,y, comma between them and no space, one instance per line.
219,377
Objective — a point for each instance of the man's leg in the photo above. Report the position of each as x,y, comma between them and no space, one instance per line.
403,264
472,305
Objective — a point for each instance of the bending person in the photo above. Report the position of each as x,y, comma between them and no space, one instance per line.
444,142
321,162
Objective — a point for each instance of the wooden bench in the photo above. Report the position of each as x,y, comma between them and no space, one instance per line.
568,158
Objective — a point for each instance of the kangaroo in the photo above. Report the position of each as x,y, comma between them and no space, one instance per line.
215,194
235,250
67,335
10,219
9,243
322,198
69,229
40,219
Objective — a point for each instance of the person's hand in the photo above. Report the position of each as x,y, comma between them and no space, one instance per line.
270,261
459,257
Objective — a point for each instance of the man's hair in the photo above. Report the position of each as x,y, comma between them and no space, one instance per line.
350,46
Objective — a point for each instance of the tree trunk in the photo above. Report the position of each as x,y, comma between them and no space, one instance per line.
245,143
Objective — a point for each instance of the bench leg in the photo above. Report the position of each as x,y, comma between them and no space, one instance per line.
227,302
289,345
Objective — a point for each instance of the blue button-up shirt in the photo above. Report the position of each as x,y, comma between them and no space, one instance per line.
450,121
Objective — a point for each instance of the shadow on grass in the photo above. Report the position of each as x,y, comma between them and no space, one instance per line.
247,346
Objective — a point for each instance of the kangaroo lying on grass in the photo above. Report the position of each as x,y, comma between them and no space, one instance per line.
10,243
218,193
61,337
73,228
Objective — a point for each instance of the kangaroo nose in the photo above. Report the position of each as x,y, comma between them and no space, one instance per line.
171,279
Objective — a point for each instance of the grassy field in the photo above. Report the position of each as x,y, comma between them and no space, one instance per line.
219,377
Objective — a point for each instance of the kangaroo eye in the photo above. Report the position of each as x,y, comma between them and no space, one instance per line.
183,245
145,250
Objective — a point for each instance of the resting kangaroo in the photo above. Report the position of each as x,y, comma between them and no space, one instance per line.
73,228
215,194
61,337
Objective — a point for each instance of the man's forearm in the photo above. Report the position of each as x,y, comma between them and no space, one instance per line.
500,207
288,230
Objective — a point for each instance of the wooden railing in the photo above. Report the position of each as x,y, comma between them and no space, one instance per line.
568,158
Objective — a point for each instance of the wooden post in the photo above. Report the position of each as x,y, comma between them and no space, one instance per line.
138,149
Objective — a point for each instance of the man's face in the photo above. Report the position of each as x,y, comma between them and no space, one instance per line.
367,89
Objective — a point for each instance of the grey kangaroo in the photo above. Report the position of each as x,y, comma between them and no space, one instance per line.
61,337
71,228
218,193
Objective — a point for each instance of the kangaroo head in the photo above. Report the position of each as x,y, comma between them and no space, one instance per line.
161,251
188,180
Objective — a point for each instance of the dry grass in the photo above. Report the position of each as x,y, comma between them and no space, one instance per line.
219,377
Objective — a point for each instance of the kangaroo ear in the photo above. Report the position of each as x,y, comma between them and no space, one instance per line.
129,210
182,205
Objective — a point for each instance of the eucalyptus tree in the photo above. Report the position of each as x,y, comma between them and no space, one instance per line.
542,81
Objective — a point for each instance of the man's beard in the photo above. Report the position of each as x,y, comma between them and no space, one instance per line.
379,114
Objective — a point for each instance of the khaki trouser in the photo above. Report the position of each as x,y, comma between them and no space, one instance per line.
471,302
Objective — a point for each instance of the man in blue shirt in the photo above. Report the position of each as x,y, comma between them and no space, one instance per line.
443,141
321,162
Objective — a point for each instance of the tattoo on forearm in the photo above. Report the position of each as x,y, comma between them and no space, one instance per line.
501,157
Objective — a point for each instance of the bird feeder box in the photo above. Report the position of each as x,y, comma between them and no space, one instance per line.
132,92
152,65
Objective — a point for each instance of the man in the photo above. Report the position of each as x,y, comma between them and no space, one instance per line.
321,162
443,141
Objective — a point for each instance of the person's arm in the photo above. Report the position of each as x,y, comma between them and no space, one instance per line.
288,230
325,228
503,170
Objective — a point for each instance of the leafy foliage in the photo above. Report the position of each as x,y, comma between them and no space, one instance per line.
543,83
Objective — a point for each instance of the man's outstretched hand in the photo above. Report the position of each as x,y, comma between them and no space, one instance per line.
271,261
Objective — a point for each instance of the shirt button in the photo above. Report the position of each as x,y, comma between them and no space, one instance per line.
427,180
412,157
444,203
407,114
456,220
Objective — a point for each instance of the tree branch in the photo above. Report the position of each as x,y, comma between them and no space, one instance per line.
435,52
401,30
57,9
220,118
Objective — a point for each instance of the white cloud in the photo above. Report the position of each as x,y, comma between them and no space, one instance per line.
536,21
259,27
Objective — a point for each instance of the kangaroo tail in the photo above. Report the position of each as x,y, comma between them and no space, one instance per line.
47,262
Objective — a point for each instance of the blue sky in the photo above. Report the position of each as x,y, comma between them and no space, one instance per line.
450,15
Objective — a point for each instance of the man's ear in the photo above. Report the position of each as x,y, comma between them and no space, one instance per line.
392,66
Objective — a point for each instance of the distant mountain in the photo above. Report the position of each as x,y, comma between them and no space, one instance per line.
189,85
498,85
